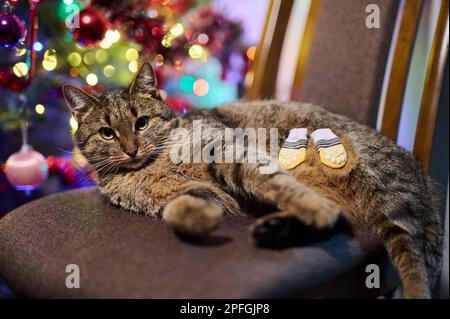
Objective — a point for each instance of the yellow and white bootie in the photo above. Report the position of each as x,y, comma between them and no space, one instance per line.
293,151
331,151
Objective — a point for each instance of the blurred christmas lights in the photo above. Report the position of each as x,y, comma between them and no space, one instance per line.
92,79
40,109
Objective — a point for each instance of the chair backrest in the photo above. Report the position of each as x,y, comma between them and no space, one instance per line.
432,91
350,68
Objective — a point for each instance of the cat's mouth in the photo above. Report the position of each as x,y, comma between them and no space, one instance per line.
135,162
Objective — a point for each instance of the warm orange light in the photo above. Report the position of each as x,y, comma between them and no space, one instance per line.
87,19
201,87
74,72
251,53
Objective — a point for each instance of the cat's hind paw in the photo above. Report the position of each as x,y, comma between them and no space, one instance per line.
331,151
280,230
192,216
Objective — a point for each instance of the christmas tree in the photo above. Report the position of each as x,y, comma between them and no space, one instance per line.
196,51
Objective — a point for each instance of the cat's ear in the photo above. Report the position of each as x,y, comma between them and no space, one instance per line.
78,100
145,82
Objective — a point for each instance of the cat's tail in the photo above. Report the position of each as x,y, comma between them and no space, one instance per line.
412,236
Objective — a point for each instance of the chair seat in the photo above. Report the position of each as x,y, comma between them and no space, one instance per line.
126,255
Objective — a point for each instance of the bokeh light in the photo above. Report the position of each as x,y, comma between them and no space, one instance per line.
38,46
101,56
50,61
133,66
21,50
74,59
112,36
92,79
89,58
132,54
203,38
74,72
20,69
201,87
109,71
187,84
251,53
159,60
196,51
177,30
40,109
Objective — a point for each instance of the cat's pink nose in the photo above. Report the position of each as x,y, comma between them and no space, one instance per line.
131,152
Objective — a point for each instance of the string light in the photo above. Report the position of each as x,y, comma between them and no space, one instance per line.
196,51
84,71
152,14
109,71
89,58
203,38
112,36
68,2
167,40
38,46
91,79
133,66
132,54
20,69
159,60
201,87
74,72
50,61
40,109
187,83
101,56
251,53
20,51
74,59
178,65
105,44
177,30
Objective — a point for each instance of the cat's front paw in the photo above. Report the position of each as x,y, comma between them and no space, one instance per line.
192,216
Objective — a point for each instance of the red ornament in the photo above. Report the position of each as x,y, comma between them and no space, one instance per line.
10,81
178,105
93,26
12,30
26,169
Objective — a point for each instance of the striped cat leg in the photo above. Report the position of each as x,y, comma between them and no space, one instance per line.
280,189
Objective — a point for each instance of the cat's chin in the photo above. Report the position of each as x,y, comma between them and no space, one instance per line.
134,163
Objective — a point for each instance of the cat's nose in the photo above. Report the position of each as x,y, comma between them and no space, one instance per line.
131,152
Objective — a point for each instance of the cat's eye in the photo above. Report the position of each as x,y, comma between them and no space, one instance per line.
107,133
141,123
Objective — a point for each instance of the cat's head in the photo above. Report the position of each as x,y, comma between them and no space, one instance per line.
121,128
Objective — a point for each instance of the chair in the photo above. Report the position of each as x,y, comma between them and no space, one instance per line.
129,255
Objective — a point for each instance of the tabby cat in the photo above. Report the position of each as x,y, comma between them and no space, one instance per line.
124,134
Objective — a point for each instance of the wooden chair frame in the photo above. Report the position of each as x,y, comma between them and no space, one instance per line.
265,69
